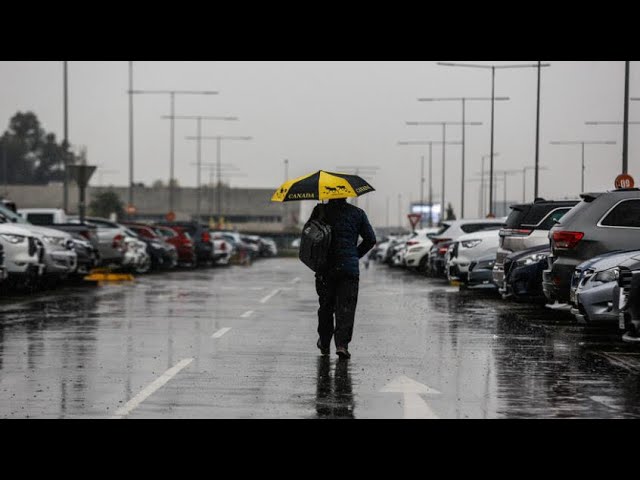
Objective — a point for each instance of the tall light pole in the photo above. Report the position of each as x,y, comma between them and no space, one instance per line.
422,179
218,139
172,95
482,194
444,144
582,143
493,81
65,141
198,119
463,100
130,139
625,132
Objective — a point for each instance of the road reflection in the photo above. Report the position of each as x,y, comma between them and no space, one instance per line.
334,394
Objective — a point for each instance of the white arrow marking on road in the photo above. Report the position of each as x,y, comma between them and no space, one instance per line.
141,397
247,314
414,405
271,295
220,332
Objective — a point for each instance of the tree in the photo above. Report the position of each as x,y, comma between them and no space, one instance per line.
33,156
450,213
106,203
157,184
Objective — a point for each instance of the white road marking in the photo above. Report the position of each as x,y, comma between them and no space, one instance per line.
606,401
270,296
247,314
295,280
414,404
144,394
220,332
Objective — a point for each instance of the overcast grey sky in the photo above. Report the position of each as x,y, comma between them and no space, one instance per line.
321,114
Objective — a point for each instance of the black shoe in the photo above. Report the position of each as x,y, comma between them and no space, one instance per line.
343,353
323,350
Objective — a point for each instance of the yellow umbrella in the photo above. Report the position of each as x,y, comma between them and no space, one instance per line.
322,185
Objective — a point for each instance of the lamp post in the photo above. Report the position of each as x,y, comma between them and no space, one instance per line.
493,68
463,100
482,194
444,144
218,139
625,162
172,95
65,141
198,119
430,143
582,143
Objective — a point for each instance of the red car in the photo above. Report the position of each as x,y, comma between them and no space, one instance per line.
180,239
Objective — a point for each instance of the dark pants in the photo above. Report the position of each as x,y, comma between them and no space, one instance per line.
338,294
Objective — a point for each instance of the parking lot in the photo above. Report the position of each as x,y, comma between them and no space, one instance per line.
239,342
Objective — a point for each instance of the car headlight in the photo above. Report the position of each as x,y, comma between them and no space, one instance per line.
13,238
54,240
605,276
531,259
471,243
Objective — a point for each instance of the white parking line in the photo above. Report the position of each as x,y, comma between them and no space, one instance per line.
142,396
270,296
295,280
247,314
220,332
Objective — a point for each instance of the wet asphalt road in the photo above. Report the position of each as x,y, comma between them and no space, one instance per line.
239,342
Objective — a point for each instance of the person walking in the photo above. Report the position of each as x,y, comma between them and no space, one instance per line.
337,285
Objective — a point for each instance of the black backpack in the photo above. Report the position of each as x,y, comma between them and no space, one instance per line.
315,242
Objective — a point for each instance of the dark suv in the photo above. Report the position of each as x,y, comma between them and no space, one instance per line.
200,236
527,227
601,223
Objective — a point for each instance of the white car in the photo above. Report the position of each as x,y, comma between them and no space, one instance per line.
222,251
136,256
417,253
23,252
468,248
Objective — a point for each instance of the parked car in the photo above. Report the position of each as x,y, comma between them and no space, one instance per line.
626,296
436,262
3,270
88,256
417,253
253,245
183,243
592,286
480,272
110,239
59,257
601,223
527,226
23,254
163,254
269,247
468,248
136,256
522,278
222,251
200,237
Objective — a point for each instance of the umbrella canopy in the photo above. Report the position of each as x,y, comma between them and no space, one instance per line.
322,185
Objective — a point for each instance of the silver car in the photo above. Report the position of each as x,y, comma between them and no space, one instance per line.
23,253
592,288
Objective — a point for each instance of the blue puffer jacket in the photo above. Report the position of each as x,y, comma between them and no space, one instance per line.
348,222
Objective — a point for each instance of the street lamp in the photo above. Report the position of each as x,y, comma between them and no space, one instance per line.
625,124
493,68
65,141
483,195
199,119
218,139
430,143
172,94
444,144
583,143
463,100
